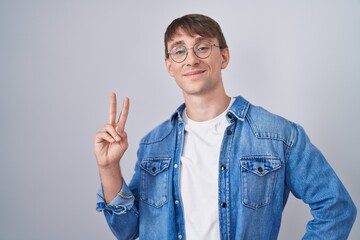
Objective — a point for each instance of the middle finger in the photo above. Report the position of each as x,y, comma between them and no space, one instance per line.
112,112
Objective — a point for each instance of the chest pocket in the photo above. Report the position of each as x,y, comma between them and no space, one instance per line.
154,181
258,174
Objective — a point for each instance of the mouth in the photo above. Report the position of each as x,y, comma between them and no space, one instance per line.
193,73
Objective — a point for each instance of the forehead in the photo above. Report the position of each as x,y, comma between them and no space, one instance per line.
184,38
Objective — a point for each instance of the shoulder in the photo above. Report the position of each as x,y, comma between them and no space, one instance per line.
265,124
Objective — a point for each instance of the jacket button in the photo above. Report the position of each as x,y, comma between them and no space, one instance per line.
229,132
223,167
229,116
223,205
260,169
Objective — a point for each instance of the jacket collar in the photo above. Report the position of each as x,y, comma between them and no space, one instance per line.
238,109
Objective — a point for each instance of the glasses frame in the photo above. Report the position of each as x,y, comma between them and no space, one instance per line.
195,52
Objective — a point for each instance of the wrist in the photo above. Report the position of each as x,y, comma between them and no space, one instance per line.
109,167
111,181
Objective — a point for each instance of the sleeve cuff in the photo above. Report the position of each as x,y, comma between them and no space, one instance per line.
122,202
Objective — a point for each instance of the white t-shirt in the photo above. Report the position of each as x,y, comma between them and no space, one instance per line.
199,176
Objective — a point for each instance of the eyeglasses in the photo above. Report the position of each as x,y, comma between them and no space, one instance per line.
202,50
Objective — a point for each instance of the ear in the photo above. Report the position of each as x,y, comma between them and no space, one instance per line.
169,66
225,55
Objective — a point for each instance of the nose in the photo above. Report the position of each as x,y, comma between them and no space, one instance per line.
191,58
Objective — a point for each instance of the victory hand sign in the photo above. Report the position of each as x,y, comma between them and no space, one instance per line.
110,145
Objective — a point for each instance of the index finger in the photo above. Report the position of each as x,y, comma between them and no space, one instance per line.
123,114
112,112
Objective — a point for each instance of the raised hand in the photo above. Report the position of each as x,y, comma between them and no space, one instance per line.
111,142
110,145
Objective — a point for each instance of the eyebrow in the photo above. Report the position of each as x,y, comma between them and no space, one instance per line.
181,42
176,43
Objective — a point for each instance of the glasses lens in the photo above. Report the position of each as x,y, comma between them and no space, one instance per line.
178,54
202,49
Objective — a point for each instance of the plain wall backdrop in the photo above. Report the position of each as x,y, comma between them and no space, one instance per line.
59,61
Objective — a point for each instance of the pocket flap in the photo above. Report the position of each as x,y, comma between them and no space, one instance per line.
260,165
155,166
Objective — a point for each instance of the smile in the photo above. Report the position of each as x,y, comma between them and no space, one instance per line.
193,73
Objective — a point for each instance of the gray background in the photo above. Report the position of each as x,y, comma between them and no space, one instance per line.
59,61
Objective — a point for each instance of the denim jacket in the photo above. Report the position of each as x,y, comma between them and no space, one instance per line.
263,157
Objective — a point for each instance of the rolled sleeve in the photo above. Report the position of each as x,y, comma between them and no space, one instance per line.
121,204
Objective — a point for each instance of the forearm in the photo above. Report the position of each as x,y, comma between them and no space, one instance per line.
111,181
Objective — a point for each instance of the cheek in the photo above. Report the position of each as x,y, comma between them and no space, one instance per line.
175,71
169,67
217,67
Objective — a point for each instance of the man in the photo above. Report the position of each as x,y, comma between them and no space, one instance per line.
219,168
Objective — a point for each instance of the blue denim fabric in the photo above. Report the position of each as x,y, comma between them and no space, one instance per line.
263,157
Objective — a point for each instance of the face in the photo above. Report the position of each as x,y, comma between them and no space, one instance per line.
196,76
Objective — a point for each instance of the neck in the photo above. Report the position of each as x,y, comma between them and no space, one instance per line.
203,108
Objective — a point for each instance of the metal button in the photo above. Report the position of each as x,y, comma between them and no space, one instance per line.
180,236
229,132
176,202
260,169
175,165
223,205
223,167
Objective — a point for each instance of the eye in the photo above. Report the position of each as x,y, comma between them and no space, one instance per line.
179,51
202,47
